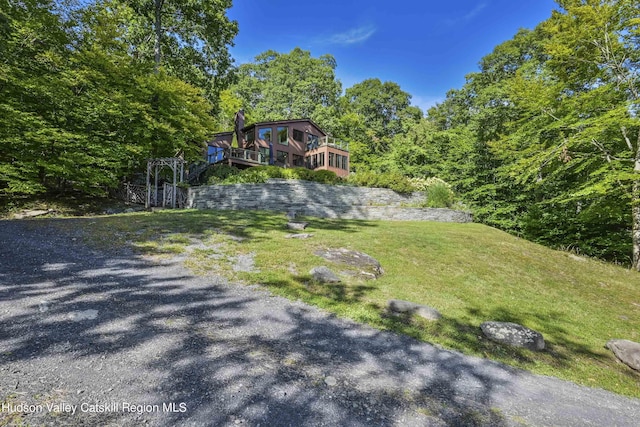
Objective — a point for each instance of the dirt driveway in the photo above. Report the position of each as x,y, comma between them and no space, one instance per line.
92,338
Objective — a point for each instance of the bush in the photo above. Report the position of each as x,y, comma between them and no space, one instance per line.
439,195
394,181
218,173
261,174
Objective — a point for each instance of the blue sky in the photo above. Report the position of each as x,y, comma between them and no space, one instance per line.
427,47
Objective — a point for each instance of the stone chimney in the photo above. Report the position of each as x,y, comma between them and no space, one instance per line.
238,130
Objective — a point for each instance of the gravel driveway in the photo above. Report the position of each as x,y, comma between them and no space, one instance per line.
124,340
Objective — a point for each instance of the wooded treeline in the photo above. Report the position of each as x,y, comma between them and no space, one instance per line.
542,141
85,99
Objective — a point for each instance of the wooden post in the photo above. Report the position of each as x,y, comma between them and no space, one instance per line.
147,202
174,166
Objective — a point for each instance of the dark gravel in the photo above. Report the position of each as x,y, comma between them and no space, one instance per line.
154,345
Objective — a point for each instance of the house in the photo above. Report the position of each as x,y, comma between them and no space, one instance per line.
284,143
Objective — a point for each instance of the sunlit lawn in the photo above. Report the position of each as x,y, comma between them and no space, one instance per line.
469,272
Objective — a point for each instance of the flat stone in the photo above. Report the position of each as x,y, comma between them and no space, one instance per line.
324,275
396,306
298,236
330,381
513,334
367,266
33,213
297,225
628,352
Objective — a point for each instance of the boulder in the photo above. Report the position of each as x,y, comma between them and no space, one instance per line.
366,266
324,275
513,334
628,352
396,307
295,225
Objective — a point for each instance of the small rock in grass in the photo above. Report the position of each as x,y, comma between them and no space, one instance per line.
406,307
324,275
298,236
297,225
513,334
628,352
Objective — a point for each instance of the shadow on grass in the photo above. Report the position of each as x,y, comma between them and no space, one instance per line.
80,325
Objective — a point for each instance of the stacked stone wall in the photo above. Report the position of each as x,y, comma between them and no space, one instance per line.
320,200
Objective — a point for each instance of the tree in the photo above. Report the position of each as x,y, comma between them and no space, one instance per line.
190,39
292,85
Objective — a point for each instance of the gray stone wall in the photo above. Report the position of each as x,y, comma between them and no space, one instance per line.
319,200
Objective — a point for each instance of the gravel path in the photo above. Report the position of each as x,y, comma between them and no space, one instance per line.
125,340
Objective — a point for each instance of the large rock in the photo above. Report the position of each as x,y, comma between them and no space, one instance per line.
396,306
324,275
628,352
366,266
513,334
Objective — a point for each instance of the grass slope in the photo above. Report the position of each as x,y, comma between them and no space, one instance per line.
469,272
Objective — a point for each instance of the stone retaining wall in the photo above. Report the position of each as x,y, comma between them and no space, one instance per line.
319,200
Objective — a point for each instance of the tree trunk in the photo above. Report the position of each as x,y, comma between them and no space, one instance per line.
158,30
635,211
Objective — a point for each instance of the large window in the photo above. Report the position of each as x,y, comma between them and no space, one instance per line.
321,159
332,159
264,134
298,135
251,137
283,135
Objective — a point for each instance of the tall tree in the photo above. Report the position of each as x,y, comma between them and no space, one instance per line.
288,85
189,38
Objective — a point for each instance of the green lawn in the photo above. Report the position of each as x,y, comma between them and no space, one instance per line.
469,272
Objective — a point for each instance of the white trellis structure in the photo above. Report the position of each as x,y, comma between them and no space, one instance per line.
170,191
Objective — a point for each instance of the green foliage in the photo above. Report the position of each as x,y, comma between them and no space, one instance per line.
78,111
260,174
391,180
439,195
292,85
220,172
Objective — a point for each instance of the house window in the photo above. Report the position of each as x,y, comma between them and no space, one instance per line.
321,159
264,155
264,134
298,135
251,136
332,159
283,135
312,141
298,160
345,163
281,158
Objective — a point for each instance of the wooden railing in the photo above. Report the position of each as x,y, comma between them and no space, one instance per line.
250,156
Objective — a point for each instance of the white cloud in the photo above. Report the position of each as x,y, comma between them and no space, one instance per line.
468,16
353,36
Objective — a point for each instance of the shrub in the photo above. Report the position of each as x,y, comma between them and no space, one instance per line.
394,181
220,172
439,196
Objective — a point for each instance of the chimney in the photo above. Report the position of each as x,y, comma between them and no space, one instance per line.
238,130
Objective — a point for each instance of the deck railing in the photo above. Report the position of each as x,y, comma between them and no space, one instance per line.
328,141
250,156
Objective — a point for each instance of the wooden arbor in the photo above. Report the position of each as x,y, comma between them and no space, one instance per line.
155,166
